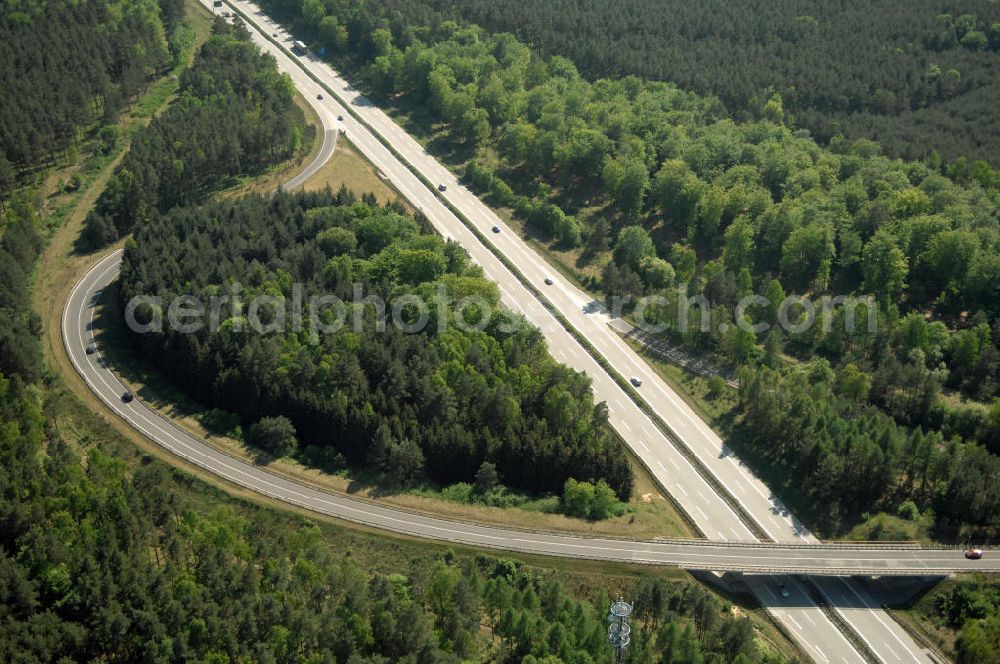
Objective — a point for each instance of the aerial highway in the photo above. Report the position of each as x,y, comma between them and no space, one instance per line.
680,450
713,515
794,558
719,494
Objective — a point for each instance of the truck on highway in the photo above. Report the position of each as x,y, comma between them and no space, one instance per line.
299,48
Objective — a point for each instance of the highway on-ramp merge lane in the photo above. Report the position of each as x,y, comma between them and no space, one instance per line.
711,514
78,329
708,481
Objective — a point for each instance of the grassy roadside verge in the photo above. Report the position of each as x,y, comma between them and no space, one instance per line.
939,639
60,265
79,420
349,167
962,598
651,513
625,385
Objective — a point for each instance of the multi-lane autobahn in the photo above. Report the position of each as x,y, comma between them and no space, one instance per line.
680,450
79,330
720,495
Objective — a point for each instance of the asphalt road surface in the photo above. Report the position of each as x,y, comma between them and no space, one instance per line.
79,332
701,500
801,617
326,151
710,511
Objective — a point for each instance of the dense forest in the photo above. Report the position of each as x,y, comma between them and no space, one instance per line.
100,563
437,402
658,192
105,556
20,326
970,607
848,458
920,77
233,116
64,65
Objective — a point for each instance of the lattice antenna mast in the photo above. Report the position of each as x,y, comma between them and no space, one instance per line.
619,631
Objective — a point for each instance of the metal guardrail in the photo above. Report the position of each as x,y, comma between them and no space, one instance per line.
765,540
840,623
932,648
469,539
770,570
682,447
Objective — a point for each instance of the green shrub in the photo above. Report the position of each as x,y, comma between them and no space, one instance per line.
908,510
459,493
590,501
